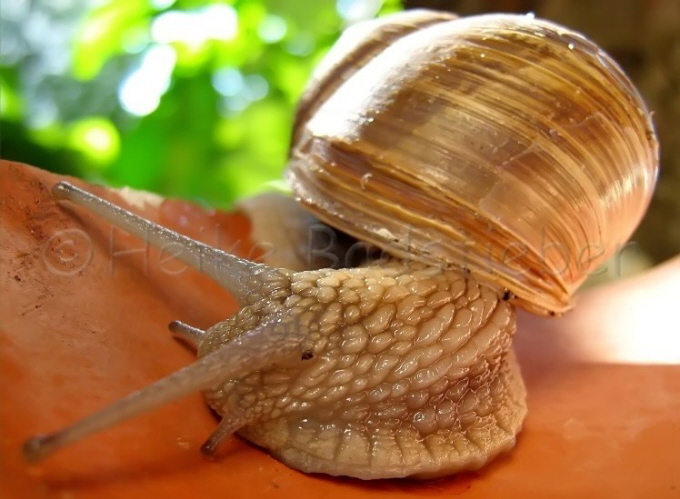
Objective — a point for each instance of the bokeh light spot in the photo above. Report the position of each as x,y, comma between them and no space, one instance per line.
215,22
141,91
257,87
10,102
272,29
161,4
354,11
96,138
228,81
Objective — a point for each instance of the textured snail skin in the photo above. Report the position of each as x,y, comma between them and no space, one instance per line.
406,371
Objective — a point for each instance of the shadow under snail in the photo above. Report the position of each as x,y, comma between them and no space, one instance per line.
498,160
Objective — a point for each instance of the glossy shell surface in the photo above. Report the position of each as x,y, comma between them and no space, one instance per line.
503,144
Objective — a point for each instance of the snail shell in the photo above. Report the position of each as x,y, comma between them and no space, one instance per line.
502,144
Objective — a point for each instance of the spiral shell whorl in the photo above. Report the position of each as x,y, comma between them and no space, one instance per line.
503,144
356,47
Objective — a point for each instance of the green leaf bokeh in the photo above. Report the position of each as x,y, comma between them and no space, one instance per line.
188,98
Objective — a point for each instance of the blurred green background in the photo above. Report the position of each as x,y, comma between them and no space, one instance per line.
195,98
188,98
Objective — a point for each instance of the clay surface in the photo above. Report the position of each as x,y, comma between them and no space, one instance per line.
83,323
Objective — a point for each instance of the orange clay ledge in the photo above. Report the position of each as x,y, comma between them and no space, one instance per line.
83,321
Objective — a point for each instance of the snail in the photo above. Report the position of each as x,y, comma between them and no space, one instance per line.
496,160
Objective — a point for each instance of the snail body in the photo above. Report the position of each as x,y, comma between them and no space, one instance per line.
497,160
405,371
